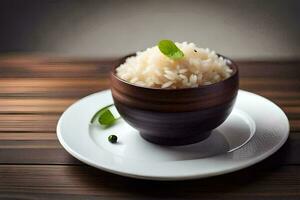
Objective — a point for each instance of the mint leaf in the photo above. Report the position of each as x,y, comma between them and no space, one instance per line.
104,116
98,113
169,49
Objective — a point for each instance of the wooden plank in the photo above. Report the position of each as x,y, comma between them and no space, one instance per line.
259,182
26,136
55,71
28,123
277,95
294,125
34,105
277,84
29,144
275,69
287,102
51,87
39,67
50,156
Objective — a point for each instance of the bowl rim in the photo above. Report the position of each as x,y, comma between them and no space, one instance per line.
232,65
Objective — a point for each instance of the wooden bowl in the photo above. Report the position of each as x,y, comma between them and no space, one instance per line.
175,116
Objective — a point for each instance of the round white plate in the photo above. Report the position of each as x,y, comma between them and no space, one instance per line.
255,129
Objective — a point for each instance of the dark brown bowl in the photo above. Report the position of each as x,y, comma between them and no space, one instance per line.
175,116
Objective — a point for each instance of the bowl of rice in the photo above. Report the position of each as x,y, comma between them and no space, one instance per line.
175,101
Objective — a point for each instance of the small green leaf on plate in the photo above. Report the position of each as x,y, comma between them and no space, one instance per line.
169,49
99,112
104,116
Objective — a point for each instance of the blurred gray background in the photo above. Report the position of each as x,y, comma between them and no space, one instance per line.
253,29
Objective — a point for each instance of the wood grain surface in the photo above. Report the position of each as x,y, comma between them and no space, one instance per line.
35,90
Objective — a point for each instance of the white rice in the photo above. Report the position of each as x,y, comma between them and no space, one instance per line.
153,69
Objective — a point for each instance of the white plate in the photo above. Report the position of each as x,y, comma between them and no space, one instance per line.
255,129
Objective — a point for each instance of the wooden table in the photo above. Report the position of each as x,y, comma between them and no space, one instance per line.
35,90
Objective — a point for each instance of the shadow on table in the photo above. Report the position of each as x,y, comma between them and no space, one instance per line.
256,178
